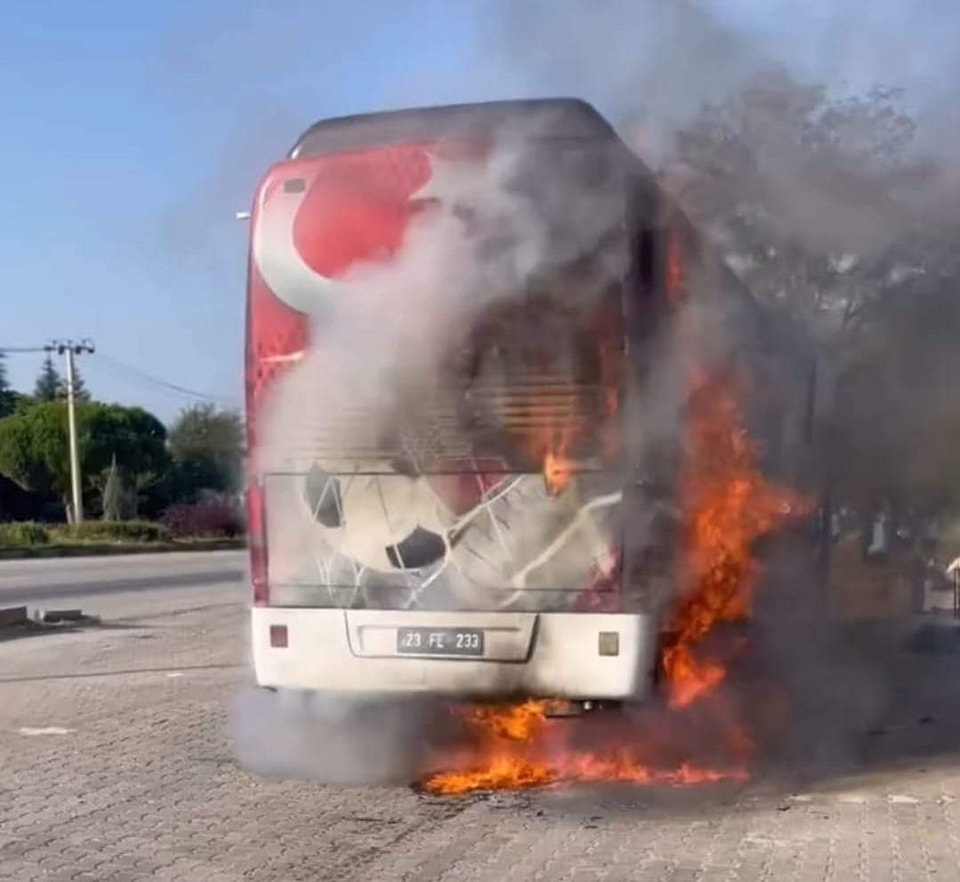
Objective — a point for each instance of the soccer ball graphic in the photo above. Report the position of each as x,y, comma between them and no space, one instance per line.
382,521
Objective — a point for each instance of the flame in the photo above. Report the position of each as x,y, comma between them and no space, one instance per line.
503,773
506,773
557,470
727,506
551,445
689,678
568,417
514,750
518,722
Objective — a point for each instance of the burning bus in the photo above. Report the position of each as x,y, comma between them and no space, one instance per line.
466,408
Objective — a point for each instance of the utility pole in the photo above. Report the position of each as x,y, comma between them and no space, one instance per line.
70,349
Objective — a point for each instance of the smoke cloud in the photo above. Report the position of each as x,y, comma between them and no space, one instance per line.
379,381
651,67
335,739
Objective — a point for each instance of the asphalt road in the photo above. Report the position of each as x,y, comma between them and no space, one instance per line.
118,763
122,586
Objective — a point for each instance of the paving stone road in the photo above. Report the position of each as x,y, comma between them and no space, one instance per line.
116,763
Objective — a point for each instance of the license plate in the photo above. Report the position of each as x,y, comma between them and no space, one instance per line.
440,641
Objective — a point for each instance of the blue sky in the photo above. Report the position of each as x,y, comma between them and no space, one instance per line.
133,132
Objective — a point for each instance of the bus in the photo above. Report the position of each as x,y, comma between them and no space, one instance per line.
494,520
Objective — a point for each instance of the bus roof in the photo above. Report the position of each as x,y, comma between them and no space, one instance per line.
566,118
561,118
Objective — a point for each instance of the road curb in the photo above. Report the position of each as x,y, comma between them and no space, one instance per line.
113,549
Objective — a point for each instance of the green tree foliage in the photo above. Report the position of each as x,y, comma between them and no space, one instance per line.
80,391
51,384
118,503
34,447
207,448
48,382
7,395
113,494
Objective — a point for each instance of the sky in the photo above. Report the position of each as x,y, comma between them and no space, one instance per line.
134,132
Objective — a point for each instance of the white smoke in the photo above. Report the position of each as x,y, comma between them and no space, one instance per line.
383,340
650,66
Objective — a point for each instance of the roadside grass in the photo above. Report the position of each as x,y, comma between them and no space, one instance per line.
93,538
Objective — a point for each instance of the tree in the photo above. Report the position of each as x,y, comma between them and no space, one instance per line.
136,439
898,412
7,395
118,502
804,194
34,447
206,445
80,391
49,383
822,209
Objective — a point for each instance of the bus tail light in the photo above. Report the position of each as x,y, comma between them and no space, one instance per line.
279,638
256,518
608,643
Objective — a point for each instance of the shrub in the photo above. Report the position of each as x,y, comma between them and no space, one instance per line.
23,533
119,503
117,531
211,517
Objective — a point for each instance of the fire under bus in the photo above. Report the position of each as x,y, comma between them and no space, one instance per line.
506,529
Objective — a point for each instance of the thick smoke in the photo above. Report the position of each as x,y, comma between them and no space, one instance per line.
494,232
335,739
379,373
650,66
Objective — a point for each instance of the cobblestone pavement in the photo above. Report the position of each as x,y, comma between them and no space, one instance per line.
116,764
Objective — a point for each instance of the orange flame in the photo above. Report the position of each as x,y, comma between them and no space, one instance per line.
554,437
551,445
727,505
518,722
557,471
514,752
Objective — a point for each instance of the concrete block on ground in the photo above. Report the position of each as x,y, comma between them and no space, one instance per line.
53,616
11,616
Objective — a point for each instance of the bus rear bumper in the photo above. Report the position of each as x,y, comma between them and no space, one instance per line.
577,656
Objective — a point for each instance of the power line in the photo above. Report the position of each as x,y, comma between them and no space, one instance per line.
122,367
